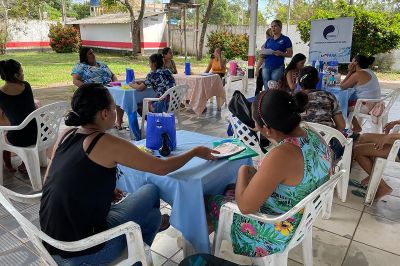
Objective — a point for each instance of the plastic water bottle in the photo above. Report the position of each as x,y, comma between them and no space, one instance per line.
133,75
187,68
317,65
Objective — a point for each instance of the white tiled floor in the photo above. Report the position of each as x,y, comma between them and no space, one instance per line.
355,235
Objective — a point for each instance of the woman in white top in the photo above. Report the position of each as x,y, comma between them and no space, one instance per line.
365,83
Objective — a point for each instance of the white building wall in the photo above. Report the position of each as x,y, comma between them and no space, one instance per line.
29,34
106,32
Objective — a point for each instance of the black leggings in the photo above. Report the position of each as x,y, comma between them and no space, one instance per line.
259,83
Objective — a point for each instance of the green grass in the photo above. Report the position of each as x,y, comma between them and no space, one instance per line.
48,69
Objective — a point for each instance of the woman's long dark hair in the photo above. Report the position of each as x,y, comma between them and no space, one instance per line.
8,69
363,61
279,110
165,50
308,78
87,100
157,59
293,63
83,55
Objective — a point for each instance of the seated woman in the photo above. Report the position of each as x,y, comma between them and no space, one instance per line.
365,83
168,61
291,74
370,146
89,70
16,103
217,64
159,79
323,107
299,164
79,185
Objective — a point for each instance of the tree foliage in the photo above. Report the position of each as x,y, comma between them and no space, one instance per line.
64,39
233,45
374,32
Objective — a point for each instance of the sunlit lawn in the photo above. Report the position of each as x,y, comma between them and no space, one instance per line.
46,69
49,69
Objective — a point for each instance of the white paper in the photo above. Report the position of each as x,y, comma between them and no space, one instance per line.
227,149
266,51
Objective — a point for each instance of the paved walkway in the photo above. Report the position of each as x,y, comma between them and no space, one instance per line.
356,235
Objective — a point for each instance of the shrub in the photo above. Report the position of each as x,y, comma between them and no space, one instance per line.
374,32
64,39
233,45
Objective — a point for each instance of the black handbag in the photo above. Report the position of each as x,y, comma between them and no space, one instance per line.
240,107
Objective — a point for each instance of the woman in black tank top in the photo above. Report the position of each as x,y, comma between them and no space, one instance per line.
79,185
16,103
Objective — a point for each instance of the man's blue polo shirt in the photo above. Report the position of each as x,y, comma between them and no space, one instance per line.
281,44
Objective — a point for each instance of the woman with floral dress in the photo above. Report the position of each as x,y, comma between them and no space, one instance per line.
299,164
160,80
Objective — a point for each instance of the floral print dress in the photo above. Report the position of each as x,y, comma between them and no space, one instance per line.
100,73
256,239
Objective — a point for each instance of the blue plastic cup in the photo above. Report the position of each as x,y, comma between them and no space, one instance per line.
130,75
187,68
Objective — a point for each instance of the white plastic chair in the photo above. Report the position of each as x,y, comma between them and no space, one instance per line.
175,95
242,132
229,78
48,119
345,162
382,119
136,250
379,167
312,204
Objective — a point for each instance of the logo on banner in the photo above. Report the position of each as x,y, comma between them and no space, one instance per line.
331,32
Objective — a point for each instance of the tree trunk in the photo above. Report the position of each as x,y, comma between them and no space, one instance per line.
204,28
4,36
135,25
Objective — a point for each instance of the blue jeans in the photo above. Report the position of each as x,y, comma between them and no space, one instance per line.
269,73
142,207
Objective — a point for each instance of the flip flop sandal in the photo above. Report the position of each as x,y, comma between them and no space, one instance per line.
358,193
164,222
356,183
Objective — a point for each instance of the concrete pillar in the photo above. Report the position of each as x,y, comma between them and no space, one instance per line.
251,59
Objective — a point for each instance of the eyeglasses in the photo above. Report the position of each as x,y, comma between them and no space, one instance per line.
259,107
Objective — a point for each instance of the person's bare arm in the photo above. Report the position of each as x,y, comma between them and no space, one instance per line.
138,86
251,193
77,80
120,151
349,82
222,63
289,80
288,53
340,124
209,66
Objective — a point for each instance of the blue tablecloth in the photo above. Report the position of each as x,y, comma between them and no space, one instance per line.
184,188
128,100
343,97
